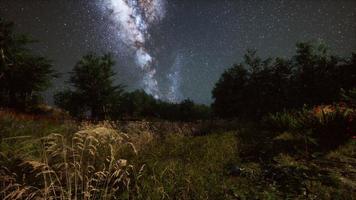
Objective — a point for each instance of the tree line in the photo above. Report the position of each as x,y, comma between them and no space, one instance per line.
251,89
92,92
255,87
23,75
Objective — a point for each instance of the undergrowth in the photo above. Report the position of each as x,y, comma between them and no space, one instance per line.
46,159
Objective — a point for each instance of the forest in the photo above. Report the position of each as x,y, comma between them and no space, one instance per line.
278,128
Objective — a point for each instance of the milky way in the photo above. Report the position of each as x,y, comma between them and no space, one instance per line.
175,78
132,19
177,49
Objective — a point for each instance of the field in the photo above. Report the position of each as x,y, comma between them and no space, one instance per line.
51,158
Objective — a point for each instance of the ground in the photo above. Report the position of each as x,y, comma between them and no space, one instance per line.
201,160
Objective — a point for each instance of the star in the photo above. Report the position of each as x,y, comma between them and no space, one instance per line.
209,36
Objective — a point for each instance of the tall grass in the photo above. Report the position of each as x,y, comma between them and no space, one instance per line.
187,167
84,166
41,159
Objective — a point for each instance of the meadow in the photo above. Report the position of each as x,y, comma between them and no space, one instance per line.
273,127
282,157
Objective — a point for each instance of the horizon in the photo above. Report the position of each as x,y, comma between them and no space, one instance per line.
186,45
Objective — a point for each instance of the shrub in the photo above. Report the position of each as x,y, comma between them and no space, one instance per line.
280,121
330,128
326,126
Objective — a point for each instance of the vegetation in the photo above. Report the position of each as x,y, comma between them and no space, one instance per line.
94,92
156,161
257,87
23,75
138,104
278,129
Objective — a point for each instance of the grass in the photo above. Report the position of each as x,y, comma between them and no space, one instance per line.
58,159
84,165
188,167
19,133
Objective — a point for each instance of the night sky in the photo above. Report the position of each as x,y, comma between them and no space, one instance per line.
190,43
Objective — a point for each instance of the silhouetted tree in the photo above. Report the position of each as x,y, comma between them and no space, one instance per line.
314,79
138,105
23,75
93,88
257,87
229,92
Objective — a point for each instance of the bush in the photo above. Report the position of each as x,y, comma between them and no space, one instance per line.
330,129
281,121
326,126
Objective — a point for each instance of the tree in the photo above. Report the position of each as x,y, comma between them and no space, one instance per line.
187,110
138,104
347,73
281,88
23,75
93,88
229,92
256,87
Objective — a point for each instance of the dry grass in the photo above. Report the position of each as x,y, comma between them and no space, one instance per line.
47,113
85,166
164,160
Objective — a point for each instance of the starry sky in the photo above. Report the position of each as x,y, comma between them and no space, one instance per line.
192,44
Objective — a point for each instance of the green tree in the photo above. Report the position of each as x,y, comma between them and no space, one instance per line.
187,110
23,75
229,92
139,104
93,88
257,87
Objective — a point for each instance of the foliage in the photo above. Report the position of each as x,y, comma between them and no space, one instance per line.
349,97
297,153
94,162
138,104
93,88
23,75
94,92
281,121
326,127
257,87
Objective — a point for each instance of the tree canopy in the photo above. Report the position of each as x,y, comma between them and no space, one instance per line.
259,86
93,89
23,75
